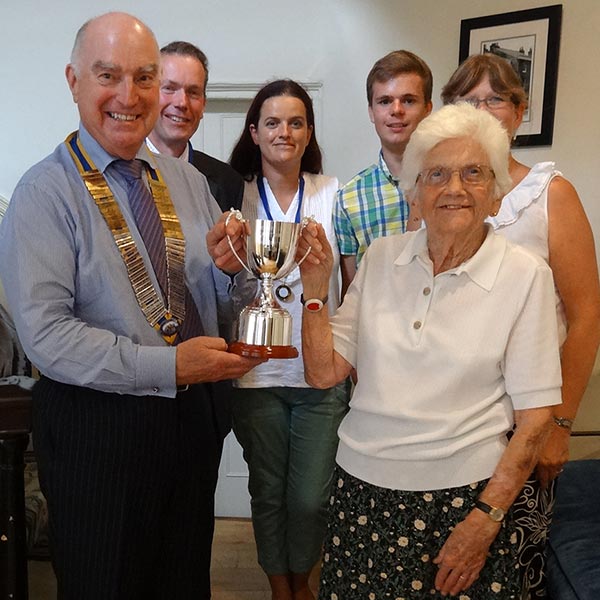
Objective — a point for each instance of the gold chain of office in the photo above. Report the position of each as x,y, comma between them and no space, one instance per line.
165,319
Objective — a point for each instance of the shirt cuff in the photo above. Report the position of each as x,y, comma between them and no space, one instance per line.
156,371
536,399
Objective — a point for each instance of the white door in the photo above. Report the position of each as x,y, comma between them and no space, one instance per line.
221,126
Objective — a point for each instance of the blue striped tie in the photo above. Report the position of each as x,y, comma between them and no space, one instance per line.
149,225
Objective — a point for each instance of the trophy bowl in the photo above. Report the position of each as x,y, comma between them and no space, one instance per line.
264,328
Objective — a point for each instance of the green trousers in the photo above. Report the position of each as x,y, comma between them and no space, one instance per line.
289,438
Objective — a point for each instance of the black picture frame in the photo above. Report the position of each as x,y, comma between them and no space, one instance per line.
529,40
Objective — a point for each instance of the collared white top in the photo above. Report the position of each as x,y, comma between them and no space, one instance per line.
443,361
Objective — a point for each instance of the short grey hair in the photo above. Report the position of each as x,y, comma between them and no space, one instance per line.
458,121
78,43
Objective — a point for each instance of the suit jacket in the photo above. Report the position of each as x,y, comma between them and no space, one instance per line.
227,187
226,184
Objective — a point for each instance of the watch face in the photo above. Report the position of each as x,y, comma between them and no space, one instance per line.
496,514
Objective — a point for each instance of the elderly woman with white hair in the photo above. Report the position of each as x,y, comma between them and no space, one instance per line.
452,331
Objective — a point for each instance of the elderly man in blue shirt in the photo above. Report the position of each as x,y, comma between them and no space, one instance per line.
118,303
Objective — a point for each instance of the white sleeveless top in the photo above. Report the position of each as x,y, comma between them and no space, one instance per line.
523,219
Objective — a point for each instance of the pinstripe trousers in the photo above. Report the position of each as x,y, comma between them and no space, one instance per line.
130,488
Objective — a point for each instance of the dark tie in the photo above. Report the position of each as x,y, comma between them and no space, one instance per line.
149,225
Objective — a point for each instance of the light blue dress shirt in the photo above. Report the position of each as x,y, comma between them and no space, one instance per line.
67,286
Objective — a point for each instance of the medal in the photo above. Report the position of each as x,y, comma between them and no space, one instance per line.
283,292
169,327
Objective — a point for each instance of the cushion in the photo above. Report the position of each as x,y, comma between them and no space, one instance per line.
574,540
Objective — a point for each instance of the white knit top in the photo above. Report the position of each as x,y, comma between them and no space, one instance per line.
443,361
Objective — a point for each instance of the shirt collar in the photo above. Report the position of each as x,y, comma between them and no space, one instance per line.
151,146
416,247
482,268
386,171
185,155
101,158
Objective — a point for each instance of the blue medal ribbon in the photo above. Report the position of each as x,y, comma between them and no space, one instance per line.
283,291
265,202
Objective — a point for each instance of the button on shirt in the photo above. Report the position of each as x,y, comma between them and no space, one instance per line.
369,206
75,310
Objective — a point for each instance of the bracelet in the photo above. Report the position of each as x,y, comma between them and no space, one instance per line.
563,422
313,304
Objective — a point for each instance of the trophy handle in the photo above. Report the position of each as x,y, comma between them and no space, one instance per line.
305,222
238,215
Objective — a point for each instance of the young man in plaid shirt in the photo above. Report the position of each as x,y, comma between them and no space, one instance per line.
371,204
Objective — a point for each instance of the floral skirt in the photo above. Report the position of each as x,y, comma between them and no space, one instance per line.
381,543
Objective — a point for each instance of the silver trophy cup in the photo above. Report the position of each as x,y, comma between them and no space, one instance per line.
264,327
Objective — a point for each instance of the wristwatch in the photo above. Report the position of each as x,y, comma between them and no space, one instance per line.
494,513
563,422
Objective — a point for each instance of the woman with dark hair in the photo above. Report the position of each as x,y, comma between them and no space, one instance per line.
246,157
286,428
542,212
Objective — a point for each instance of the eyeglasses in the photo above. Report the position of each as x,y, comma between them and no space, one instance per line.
469,175
492,102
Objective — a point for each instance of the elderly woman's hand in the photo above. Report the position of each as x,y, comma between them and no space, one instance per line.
218,245
316,268
463,555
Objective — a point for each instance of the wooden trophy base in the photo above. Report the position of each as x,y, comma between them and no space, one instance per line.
255,351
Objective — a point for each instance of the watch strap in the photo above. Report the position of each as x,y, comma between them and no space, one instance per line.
494,513
563,422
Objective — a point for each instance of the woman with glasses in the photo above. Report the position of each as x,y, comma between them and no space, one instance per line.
453,334
543,213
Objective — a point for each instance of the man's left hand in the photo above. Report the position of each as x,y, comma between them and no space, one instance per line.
202,359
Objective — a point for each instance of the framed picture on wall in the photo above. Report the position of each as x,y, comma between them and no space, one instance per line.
529,40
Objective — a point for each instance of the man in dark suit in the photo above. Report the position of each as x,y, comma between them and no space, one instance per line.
182,102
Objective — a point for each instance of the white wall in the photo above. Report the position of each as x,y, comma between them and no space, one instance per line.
333,41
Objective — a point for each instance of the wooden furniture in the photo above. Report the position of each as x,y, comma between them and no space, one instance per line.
15,425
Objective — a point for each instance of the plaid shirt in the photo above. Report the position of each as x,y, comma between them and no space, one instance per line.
369,206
